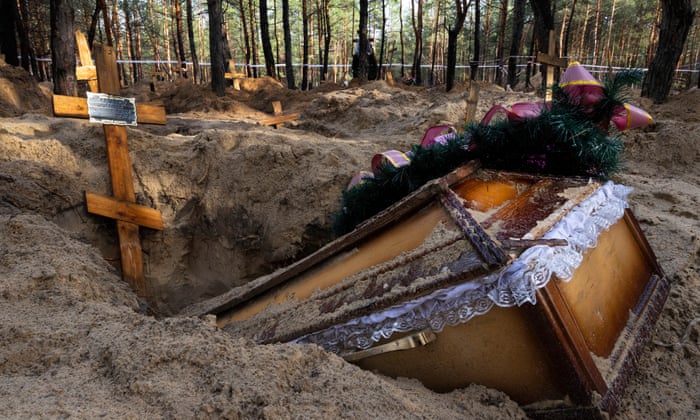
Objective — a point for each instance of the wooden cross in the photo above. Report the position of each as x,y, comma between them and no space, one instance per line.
86,70
549,59
278,117
122,206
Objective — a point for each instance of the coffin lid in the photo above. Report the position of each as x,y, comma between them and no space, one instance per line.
461,269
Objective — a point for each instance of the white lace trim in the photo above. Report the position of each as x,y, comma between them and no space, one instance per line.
512,285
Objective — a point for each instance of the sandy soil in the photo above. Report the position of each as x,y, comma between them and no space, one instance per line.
239,200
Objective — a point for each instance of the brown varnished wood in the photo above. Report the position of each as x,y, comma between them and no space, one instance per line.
86,70
500,349
75,107
559,326
278,119
124,210
607,286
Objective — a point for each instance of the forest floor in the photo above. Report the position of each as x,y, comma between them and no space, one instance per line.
239,200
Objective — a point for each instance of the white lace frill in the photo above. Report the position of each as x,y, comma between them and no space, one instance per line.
512,285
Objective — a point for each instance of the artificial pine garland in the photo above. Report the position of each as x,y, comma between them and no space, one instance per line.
565,139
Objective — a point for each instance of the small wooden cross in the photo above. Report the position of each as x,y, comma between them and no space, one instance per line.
278,117
86,70
549,59
122,206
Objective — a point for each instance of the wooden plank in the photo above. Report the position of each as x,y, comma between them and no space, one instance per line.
234,75
107,73
75,107
124,211
86,70
562,327
131,257
279,119
551,60
472,102
87,73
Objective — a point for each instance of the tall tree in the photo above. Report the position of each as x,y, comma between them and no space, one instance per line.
362,42
28,58
8,39
289,69
544,22
515,40
325,25
265,39
477,40
253,43
380,58
461,8
63,47
196,72
305,45
676,19
417,21
567,32
216,47
177,10
246,38
500,46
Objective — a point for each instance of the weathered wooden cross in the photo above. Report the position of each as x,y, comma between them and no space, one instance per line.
278,117
548,60
122,206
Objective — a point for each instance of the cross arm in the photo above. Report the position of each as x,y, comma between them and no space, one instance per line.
76,107
124,211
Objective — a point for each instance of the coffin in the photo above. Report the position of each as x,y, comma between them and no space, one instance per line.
542,287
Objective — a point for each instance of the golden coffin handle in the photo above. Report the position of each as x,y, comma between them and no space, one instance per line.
404,343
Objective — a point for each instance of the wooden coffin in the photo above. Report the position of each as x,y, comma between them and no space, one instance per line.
542,287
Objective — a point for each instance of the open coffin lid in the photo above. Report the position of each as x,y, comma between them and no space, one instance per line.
542,287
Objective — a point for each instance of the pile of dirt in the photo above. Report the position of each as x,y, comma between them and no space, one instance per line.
239,200
20,93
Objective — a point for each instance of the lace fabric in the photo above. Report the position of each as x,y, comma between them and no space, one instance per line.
512,285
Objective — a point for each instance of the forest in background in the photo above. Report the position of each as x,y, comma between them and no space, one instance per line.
310,41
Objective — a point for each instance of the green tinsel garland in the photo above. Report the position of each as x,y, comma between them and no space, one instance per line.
563,140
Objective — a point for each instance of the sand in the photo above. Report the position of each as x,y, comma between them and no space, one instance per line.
240,200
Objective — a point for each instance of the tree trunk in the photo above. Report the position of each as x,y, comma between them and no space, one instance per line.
362,42
500,48
596,33
196,72
179,37
417,20
27,52
380,57
289,70
461,7
253,37
676,20
216,47
515,41
477,40
63,48
8,39
567,33
434,47
129,42
403,51
327,36
265,39
305,45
